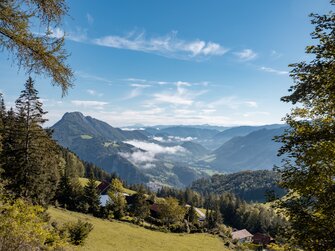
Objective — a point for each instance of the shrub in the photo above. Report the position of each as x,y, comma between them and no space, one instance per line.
25,227
79,231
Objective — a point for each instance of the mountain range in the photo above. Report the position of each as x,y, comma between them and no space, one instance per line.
168,155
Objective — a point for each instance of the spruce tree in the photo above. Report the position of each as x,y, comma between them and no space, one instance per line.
91,196
31,157
117,202
191,215
140,207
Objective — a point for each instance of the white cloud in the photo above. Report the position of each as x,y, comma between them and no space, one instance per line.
146,158
181,96
168,45
253,114
231,102
274,54
89,104
176,99
78,36
155,148
137,91
57,33
246,54
251,103
174,139
87,76
94,92
271,70
89,18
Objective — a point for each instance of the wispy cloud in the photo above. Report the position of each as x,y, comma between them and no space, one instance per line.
99,105
169,45
275,54
89,18
246,54
94,92
271,70
182,95
137,90
257,113
232,102
87,76
79,35
173,139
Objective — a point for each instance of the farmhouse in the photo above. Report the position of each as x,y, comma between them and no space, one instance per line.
242,236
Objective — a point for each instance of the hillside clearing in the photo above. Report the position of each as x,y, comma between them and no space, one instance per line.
115,235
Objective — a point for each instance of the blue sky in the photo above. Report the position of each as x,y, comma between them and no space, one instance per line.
222,62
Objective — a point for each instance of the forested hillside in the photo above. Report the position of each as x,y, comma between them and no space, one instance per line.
248,185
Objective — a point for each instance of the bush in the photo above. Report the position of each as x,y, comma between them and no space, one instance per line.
79,231
177,228
26,227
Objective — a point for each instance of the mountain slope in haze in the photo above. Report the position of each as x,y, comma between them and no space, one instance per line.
248,185
184,132
256,150
230,133
195,148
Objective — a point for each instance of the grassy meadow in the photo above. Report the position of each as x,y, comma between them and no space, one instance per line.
116,235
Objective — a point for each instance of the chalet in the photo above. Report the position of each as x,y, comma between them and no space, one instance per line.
201,215
103,187
242,236
262,239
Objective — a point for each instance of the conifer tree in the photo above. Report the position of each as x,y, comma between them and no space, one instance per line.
69,193
117,203
91,196
30,157
191,215
140,206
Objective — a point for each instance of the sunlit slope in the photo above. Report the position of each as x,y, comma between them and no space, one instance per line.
108,235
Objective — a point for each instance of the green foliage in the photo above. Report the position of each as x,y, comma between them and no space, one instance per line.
30,158
41,54
140,207
116,185
25,227
187,196
70,194
79,231
116,204
309,145
248,185
74,167
170,211
191,215
91,197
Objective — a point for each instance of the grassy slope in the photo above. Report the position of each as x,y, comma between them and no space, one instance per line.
108,235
